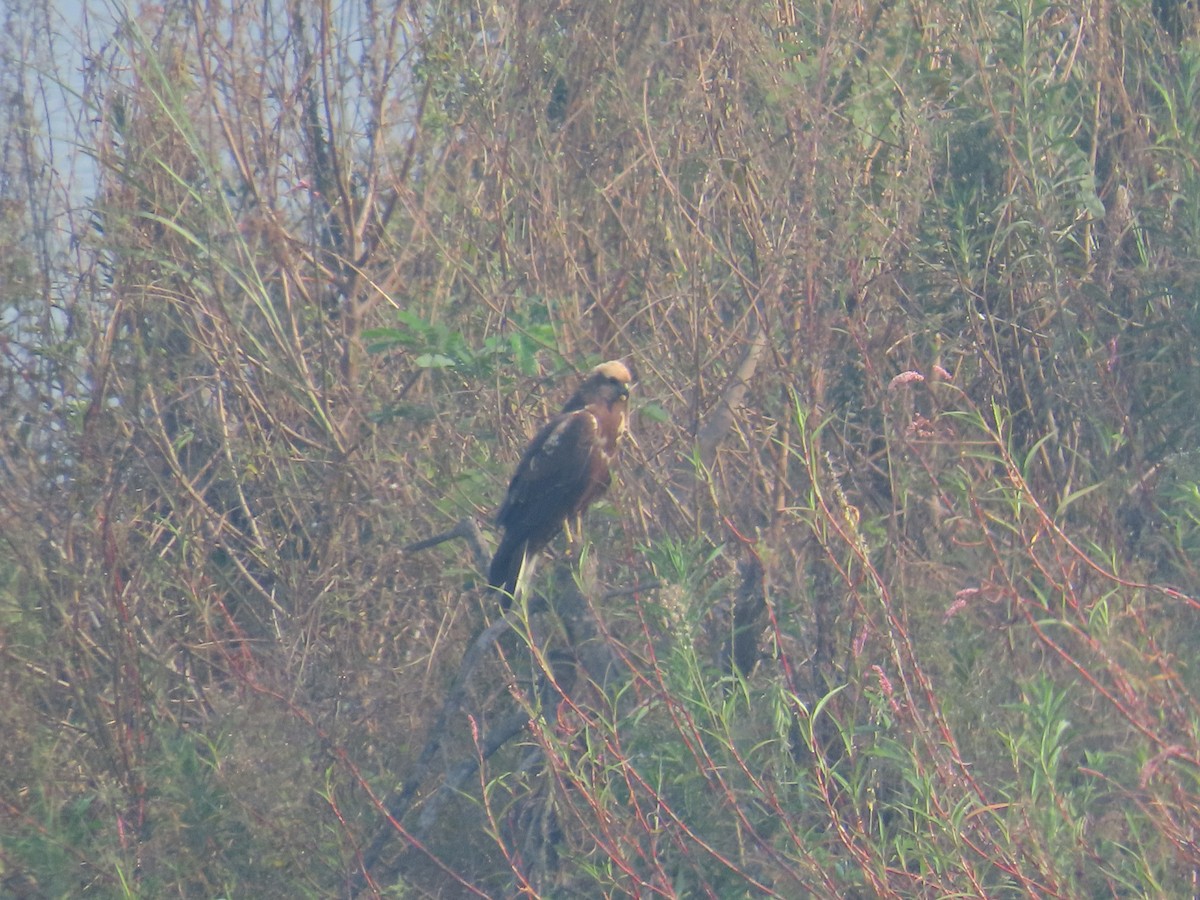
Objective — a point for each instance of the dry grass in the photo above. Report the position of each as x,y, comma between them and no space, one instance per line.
330,270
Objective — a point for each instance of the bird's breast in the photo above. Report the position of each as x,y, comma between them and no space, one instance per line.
610,425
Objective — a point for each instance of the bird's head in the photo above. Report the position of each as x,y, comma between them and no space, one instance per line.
608,383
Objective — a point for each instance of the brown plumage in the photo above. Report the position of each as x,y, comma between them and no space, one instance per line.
565,468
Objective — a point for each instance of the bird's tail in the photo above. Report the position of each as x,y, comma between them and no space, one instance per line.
504,574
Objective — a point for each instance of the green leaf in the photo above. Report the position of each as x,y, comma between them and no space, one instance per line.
434,361
653,412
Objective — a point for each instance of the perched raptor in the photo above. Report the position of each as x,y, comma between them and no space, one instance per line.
564,469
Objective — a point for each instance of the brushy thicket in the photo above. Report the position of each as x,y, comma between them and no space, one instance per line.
898,583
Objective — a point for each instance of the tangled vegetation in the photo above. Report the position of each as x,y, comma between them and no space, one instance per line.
896,594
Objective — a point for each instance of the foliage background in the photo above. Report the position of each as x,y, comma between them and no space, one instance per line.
911,293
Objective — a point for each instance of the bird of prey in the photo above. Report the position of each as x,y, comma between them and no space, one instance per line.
565,468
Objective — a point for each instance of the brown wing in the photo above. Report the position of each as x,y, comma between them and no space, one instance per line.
555,477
